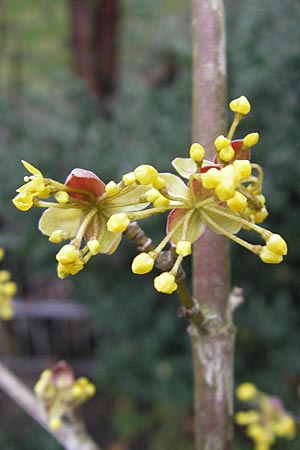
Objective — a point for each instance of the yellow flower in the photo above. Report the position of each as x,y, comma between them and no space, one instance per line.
60,392
34,186
88,213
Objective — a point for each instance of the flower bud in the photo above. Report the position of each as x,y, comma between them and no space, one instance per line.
145,174
61,197
142,263
246,391
277,244
242,169
165,283
227,153
118,223
129,179
240,105
158,183
211,178
68,254
221,142
197,152
238,202
184,248
269,257
112,188
251,139
94,246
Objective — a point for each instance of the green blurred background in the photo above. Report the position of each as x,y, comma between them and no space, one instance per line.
50,118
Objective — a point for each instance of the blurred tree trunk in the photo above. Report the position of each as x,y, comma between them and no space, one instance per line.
213,343
94,38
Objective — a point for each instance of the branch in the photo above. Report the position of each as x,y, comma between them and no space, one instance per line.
72,436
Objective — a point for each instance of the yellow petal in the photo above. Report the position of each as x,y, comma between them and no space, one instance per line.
31,168
67,220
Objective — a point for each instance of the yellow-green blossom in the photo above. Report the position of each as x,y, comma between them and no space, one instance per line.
267,419
60,392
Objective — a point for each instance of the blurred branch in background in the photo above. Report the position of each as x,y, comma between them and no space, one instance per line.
72,436
94,38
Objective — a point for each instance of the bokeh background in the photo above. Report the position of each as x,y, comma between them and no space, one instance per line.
106,86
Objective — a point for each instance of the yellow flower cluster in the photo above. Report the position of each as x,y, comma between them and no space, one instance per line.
60,392
267,420
224,194
89,214
8,289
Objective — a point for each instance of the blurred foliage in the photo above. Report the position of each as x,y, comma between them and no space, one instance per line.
48,119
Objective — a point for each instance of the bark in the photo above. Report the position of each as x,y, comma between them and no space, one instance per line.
94,39
212,343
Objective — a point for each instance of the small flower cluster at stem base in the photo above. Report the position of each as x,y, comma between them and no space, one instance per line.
8,289
61,393
267,419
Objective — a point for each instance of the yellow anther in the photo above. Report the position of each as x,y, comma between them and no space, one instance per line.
62,197
242,169
94,246
61,271
269,257
238,202
211,178
197,152
68,254
161,201
251,139
246,391
56,236
184,248
277,244
240,105
165,283
112,188
145,174
118,223
225,190
221,142
152,195
142,263
227,153
158,183
259,216
129,179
